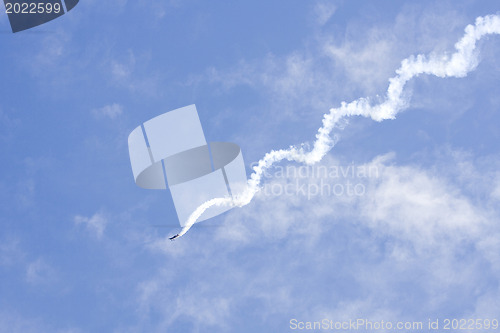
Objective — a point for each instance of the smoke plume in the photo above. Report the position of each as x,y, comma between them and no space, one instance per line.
458,64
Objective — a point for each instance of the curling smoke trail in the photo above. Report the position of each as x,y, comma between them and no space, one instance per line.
459,64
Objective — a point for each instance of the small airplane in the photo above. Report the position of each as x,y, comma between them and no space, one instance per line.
173,237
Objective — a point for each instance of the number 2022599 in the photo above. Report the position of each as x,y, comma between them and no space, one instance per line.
32,8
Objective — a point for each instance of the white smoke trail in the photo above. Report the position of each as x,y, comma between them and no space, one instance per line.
459,64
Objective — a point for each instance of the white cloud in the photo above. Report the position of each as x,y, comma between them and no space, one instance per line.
304,82
323,11
349,256
111,111
328,69
13,322
300,84
122,70
96,224
39,272
212,311
53,48
199,306
369,54
129,71
496,192
366,64
412,203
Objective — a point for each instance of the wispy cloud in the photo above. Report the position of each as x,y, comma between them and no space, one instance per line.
53,48
420,207
96,224
39,272
127,72
26,187
323,11
349,255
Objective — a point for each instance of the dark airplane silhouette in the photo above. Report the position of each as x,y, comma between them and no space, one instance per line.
173,237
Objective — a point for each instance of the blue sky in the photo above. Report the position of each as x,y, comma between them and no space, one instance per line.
78,248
